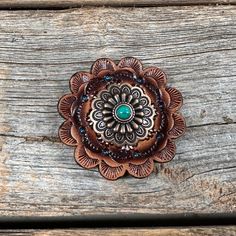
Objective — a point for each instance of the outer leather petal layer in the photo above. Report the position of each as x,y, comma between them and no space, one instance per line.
102,64
156,74
141,170
166,154
77,80
83,159
179,126
111,173
176,99
133,63
65,134
65,104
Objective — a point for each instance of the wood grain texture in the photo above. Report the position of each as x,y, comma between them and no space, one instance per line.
40,50
196,231
42,4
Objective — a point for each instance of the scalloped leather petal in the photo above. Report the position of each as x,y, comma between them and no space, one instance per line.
111,173
176,99
83,159
77,80
142,170
133,63
157,74
65,134
65,104
102,64
166,154
179,126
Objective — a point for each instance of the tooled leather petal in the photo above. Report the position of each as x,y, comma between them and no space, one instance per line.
133,63
102,64
83,159
111,173
166,154
65,134
176,99
78,79
157,74
141,170
64,105
178,127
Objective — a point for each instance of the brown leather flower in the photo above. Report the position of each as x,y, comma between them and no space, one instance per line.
121,118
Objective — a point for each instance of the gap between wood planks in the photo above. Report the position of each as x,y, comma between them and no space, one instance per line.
118,221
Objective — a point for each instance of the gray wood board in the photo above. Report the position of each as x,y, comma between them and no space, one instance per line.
191,231
42,4
40,50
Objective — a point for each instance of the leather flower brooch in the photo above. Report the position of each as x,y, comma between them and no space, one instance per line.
121,118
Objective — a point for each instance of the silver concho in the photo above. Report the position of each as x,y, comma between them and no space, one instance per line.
109,127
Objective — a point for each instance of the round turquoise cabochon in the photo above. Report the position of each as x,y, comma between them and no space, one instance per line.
123,112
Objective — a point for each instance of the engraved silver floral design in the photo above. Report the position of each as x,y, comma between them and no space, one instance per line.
122,129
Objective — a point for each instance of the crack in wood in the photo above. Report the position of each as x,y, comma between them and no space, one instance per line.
207,171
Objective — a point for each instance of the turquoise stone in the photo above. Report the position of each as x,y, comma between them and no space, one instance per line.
123,112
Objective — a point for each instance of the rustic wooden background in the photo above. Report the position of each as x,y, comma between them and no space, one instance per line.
198,231
194,42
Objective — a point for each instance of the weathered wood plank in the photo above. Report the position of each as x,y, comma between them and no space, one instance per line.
40,51
198,231
37,4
